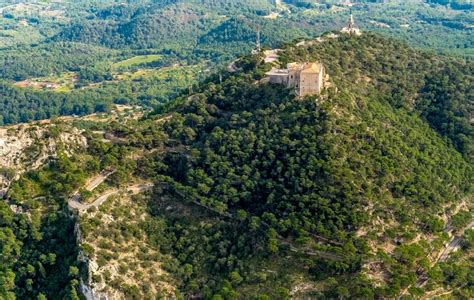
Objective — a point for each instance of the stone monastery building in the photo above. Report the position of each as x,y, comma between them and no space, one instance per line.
305,78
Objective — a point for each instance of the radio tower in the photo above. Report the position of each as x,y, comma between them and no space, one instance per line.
258,46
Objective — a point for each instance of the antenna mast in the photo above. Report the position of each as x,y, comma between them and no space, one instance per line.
351,21
259,47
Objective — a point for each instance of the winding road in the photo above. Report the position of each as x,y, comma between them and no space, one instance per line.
454,245
75,201
99,179
75,204
95,182
134,189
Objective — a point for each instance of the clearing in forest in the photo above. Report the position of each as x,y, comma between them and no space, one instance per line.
138,60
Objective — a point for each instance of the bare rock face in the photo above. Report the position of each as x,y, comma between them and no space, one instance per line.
28,147
92,294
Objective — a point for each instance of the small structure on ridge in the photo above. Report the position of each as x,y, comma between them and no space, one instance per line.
258,45
351,28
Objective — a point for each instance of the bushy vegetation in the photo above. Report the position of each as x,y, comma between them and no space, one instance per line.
290,178
92,39
256,192
38,241
436,89
39,247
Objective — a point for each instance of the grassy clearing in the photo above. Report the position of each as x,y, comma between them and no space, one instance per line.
17,36
171,73
137,60
63,82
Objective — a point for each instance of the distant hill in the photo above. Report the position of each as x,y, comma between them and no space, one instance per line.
456,4
73,46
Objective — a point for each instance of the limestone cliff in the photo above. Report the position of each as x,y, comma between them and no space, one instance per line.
27,147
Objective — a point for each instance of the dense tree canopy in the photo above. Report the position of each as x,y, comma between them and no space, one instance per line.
255,191
302,175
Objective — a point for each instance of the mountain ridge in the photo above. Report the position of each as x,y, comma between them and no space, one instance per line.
376,153
351,193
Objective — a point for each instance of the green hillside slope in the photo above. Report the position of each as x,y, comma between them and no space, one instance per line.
361,192
72,47
313,192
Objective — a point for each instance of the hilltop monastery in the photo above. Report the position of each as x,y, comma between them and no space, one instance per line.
306,78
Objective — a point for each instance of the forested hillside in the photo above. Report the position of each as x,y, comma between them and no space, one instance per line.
356,178
439,90
73,48
456,4
221,185
353,193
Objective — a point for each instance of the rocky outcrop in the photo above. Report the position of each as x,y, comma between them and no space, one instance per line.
90,294
27,147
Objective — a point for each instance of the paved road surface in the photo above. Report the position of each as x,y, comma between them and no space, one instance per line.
74,201
454,245
98,180
134,189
